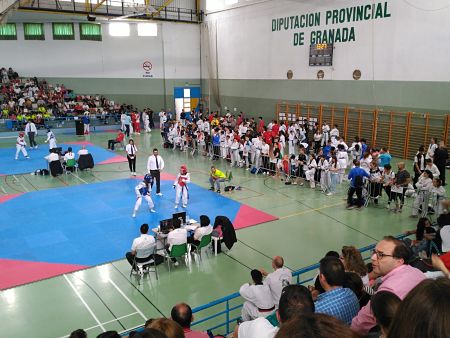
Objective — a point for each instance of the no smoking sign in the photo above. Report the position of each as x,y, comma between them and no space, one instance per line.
147,65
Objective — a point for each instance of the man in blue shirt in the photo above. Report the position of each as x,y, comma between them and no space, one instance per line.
336,301
356,178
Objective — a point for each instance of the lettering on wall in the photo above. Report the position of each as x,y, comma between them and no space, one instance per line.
320,23
147,67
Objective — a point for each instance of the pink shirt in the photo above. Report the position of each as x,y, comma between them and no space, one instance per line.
188,333
399,281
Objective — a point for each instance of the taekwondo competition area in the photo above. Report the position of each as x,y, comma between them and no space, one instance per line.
313,136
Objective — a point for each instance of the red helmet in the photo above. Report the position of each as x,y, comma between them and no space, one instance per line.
21,134
183,168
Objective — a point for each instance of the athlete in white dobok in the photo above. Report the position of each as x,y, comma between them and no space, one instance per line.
180,185
20,145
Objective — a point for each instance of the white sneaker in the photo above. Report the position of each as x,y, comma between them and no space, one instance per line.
134,174
176,206
329,194
159,194
152,210
134,215
176,263
36,147
184,206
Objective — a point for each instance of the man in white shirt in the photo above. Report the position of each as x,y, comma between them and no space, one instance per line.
83,151
155,164
296,300
176,237
258,299
277,279
53,156
142,248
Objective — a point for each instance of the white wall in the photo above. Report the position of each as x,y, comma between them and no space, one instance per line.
114,57
410,45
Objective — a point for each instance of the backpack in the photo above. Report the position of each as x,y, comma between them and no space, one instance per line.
359,181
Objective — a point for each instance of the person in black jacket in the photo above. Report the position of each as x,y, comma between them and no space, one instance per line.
440,159
228,233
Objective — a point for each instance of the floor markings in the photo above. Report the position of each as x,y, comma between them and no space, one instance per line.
312,210
128,299
85,304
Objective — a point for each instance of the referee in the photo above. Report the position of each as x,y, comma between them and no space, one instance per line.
155,164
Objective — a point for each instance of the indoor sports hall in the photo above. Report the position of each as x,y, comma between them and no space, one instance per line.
288,100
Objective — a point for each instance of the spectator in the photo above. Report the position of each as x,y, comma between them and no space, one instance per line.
167,326
336,301
353,262
295,301
354,282
142,248
109,334
356,177
258,299
440,160
182,314
148,333
118,139
424,312
384,305
78,334
278,279
315,326
389,260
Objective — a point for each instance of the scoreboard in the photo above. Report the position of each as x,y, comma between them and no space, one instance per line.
321,54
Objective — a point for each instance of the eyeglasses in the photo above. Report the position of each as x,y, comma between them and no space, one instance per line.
380,254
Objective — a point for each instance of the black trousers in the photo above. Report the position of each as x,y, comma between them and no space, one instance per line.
351,192
31,138
156,174
112,143
132,163
127,130
130,258
441,173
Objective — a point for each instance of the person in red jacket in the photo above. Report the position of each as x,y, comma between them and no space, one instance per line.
275,129
119,139
267,136
260,127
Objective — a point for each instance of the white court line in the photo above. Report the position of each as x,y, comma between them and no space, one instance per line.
109,321
128,299
79,178
16,180
85,304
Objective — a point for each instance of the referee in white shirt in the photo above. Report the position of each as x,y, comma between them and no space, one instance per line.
155,164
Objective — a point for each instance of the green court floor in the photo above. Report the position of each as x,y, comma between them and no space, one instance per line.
106,298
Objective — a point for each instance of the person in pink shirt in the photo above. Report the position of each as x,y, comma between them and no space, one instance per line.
182,314
389,260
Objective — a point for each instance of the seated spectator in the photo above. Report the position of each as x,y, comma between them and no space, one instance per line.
167,326
424,232
424,312
182,314
142,248
353,262
315,326
354,282
147,333
118,139
78,334
336,301
295,301
109,334
384,306
258,299
278,279
389,260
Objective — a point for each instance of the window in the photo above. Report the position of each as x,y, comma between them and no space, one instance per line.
90,31
119,29
63,31
147,29
33,31
8,31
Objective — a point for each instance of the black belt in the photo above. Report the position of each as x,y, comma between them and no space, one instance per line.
267,310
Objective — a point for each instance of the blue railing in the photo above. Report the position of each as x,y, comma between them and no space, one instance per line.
227,299
229,323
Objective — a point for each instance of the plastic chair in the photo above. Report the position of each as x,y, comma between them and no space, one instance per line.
177,251
146,266
70,164
204,241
